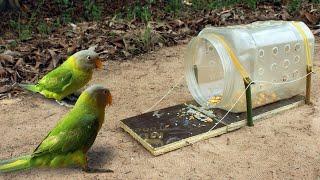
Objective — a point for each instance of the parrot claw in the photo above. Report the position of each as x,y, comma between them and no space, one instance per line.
63,103
94,170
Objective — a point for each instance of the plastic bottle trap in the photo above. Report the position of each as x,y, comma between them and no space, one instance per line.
272,58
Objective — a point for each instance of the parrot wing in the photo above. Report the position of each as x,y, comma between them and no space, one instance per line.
70,138
57,80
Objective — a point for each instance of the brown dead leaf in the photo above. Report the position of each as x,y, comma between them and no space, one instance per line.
176,23
285,2
72,49
126,53
11,71
284,15
2,42
185,30
53,58
198,21
24,48
118,45
6,58
63,44
5,88
20,62
112,50
3,73
316,32
37,57
12,53
311,18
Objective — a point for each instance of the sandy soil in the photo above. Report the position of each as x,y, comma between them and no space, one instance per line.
286,146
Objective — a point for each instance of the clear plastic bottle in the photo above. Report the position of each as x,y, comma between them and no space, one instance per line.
270,51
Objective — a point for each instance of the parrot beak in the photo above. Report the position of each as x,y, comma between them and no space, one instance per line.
109,99
98,63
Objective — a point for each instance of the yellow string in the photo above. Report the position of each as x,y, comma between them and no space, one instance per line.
234,59
305,42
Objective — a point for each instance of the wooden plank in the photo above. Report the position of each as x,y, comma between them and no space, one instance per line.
189,141
137,137
236,121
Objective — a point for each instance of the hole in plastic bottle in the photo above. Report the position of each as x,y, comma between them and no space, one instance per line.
285,78
274,66
287,48
297,59
286,63
261,52
260,86
297,47
275,50
295,74
260,71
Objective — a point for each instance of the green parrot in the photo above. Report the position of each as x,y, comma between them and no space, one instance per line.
69,141
70,76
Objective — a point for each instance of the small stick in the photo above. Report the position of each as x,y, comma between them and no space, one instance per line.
308,85
247,85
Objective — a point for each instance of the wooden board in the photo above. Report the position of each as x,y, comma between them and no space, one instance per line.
171,128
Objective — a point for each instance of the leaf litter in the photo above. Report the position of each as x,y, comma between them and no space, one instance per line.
120,39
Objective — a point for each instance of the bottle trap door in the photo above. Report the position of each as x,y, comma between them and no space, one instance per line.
171,128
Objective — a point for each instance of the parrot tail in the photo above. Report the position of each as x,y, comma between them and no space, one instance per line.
30,87
15,164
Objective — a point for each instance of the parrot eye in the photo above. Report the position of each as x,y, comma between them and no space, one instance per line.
88,57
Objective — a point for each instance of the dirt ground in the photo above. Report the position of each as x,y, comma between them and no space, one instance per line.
286,146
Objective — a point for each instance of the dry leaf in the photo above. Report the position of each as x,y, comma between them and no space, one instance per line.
6,58
72,49
176,23
53,58
5,88
2,72
316,32
311,18
12,53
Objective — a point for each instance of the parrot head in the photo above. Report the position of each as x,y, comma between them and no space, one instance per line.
88,59
99,95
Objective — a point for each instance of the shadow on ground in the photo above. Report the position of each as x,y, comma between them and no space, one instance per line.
99,156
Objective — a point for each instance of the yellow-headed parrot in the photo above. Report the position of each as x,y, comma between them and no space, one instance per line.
69,141
70,76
